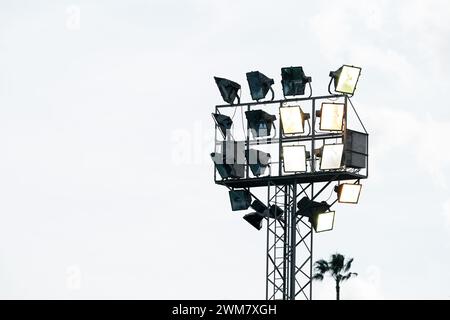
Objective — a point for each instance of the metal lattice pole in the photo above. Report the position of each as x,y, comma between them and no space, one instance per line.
289,250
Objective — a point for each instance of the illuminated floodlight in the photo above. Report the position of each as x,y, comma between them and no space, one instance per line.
323,221
331,116
294,80
294,158
331,156
348,192
345,79
240,199
293,119
317,212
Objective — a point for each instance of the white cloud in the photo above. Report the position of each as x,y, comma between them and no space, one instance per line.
446,212
422,136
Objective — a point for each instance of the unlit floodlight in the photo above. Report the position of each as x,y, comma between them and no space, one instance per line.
228,89
259,207
262,211
258,161
223,122
275,212
226,168
309,208
259,85
255,219
240,199
260,122
294,80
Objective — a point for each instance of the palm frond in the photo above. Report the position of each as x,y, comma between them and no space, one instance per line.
348,276
321,266
336,263
318,276
348,265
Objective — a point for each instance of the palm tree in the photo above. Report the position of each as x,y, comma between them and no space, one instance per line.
337,267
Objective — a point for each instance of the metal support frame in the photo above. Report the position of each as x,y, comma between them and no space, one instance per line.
289,248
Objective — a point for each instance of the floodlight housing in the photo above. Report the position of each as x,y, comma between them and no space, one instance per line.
294,80
309,208
224,123
234,151
260,122
317,212
345,79
257,160
259,85
294,158
275,212
323,221
356,149
227,166
228,89
331,116
348,192
259,207
293,119
331,156
240,199
255,219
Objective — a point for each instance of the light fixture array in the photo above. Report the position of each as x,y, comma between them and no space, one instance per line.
351,152
293,81
318,213
241,199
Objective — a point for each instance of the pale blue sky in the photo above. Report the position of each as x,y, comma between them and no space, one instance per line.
97,200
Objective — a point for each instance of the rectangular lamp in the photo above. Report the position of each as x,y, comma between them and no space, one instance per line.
323,221
346,79
294,158
240,199
292,120
227,169
332,116
260,122
331,156
348,192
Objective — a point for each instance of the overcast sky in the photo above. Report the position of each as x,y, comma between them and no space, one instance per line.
106,186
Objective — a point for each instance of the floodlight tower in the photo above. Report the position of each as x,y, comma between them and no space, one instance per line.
284,186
